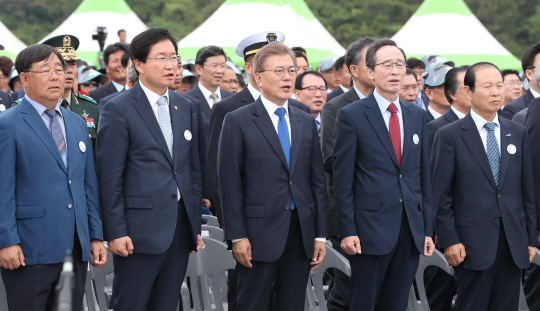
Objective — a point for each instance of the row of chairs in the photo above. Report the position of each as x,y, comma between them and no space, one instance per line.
205,284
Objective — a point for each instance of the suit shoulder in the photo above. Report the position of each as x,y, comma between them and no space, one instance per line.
8,115
86,98
301,113
516,103
230,103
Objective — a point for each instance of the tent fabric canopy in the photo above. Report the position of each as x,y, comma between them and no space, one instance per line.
431,29
11,43
291,17
83,23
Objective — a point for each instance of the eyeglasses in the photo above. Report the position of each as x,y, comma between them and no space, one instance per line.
90,83
280,71
231,81
46,73
513,83
163,60
215,66
313,89
407,88
388,65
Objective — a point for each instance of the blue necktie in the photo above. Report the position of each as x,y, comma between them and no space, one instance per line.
164,120
420,102
283,134
57,134
493,151
318,124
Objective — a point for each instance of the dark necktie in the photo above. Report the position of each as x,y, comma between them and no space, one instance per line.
65,104
395,132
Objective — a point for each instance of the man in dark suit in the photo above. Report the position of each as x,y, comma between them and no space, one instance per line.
434,89
210,66
125,62
529,61
339,296
310,88
418,67
47,152
382,186
272,189
485,214
344,75
112,56
5,102
440,286
149,169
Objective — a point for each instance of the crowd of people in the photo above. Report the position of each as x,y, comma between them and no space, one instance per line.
386,157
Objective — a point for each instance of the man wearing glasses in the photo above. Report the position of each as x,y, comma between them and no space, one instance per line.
230,81
529,61
382,186
310,88
273,190
513,88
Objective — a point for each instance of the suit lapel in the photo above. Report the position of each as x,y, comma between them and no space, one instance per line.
474,143
36,123
179,116
352,96
247,98
296,135
376,119
72,141
112,89
505,156
203,101
263,121
408,124
451,116
147,114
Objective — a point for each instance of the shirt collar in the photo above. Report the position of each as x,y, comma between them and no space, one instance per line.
39,107
254,92
318,118
362,96
384,103
119,87
458,113
480,122
434,113
535,94
206,93
271,107
68,99
344,88
153,97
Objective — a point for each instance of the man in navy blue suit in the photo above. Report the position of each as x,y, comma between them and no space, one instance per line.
272,189
485,214
382,186
112,56
150,180
49,199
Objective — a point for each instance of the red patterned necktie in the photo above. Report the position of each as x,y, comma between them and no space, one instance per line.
395,134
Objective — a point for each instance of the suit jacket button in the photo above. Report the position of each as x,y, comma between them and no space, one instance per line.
400,176
69,182
288,207
174,196
497,218
69,205
290,182
175,173
499,195
400,201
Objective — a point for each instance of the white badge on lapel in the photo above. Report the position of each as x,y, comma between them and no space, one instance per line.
82,146
187,135
2,108
511,149
415,139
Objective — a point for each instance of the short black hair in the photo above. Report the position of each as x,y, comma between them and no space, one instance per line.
300,54
114,48
299,49
412,73
33,54
125,60
470,76
414,62
506,72
5,65
143,42
527,60
352,56
300,78
119,31
206,52
372,51
451,83
339,63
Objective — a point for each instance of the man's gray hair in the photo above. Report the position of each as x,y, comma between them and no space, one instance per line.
132,74
537,73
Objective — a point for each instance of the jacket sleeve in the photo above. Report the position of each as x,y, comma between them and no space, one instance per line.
528,193
318,187
197,167
427,196
214,131
91,191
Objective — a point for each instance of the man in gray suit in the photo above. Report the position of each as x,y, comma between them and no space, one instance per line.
339,297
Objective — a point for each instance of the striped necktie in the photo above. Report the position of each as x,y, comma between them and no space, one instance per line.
493,154
57,134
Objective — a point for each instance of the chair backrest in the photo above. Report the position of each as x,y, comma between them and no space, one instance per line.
97,286
315,298
438,260
205,271
3,296
212,232
210,220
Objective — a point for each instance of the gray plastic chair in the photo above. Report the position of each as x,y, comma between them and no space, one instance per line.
97,289
3,296
212,232
204,275
210,221
436,260
315,298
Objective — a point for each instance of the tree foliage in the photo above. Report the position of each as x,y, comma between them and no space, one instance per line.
513,23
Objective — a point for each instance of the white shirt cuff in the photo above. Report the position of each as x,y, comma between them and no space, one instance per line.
320,240
236,240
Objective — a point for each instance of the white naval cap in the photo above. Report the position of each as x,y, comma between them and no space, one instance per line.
254,43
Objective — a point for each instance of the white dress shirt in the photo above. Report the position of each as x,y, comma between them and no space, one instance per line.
271,109
434,113
362,96
254,92
458,113
535,94
479,121
119,87
383,105
206,93
345,90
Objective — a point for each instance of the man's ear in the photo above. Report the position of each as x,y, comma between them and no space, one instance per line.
23,76
429,93
468,92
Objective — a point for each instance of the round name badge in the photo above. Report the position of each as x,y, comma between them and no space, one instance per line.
82,146
415,139
187,135
2,108
511,149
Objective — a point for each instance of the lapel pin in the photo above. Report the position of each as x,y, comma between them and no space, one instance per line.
508,135
175,108
82,146
511,149
415,139
187,135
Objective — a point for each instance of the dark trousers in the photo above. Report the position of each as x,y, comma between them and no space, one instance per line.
339,295
153,281
531,287
440,288
290,273
383,282
33,288
493,289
